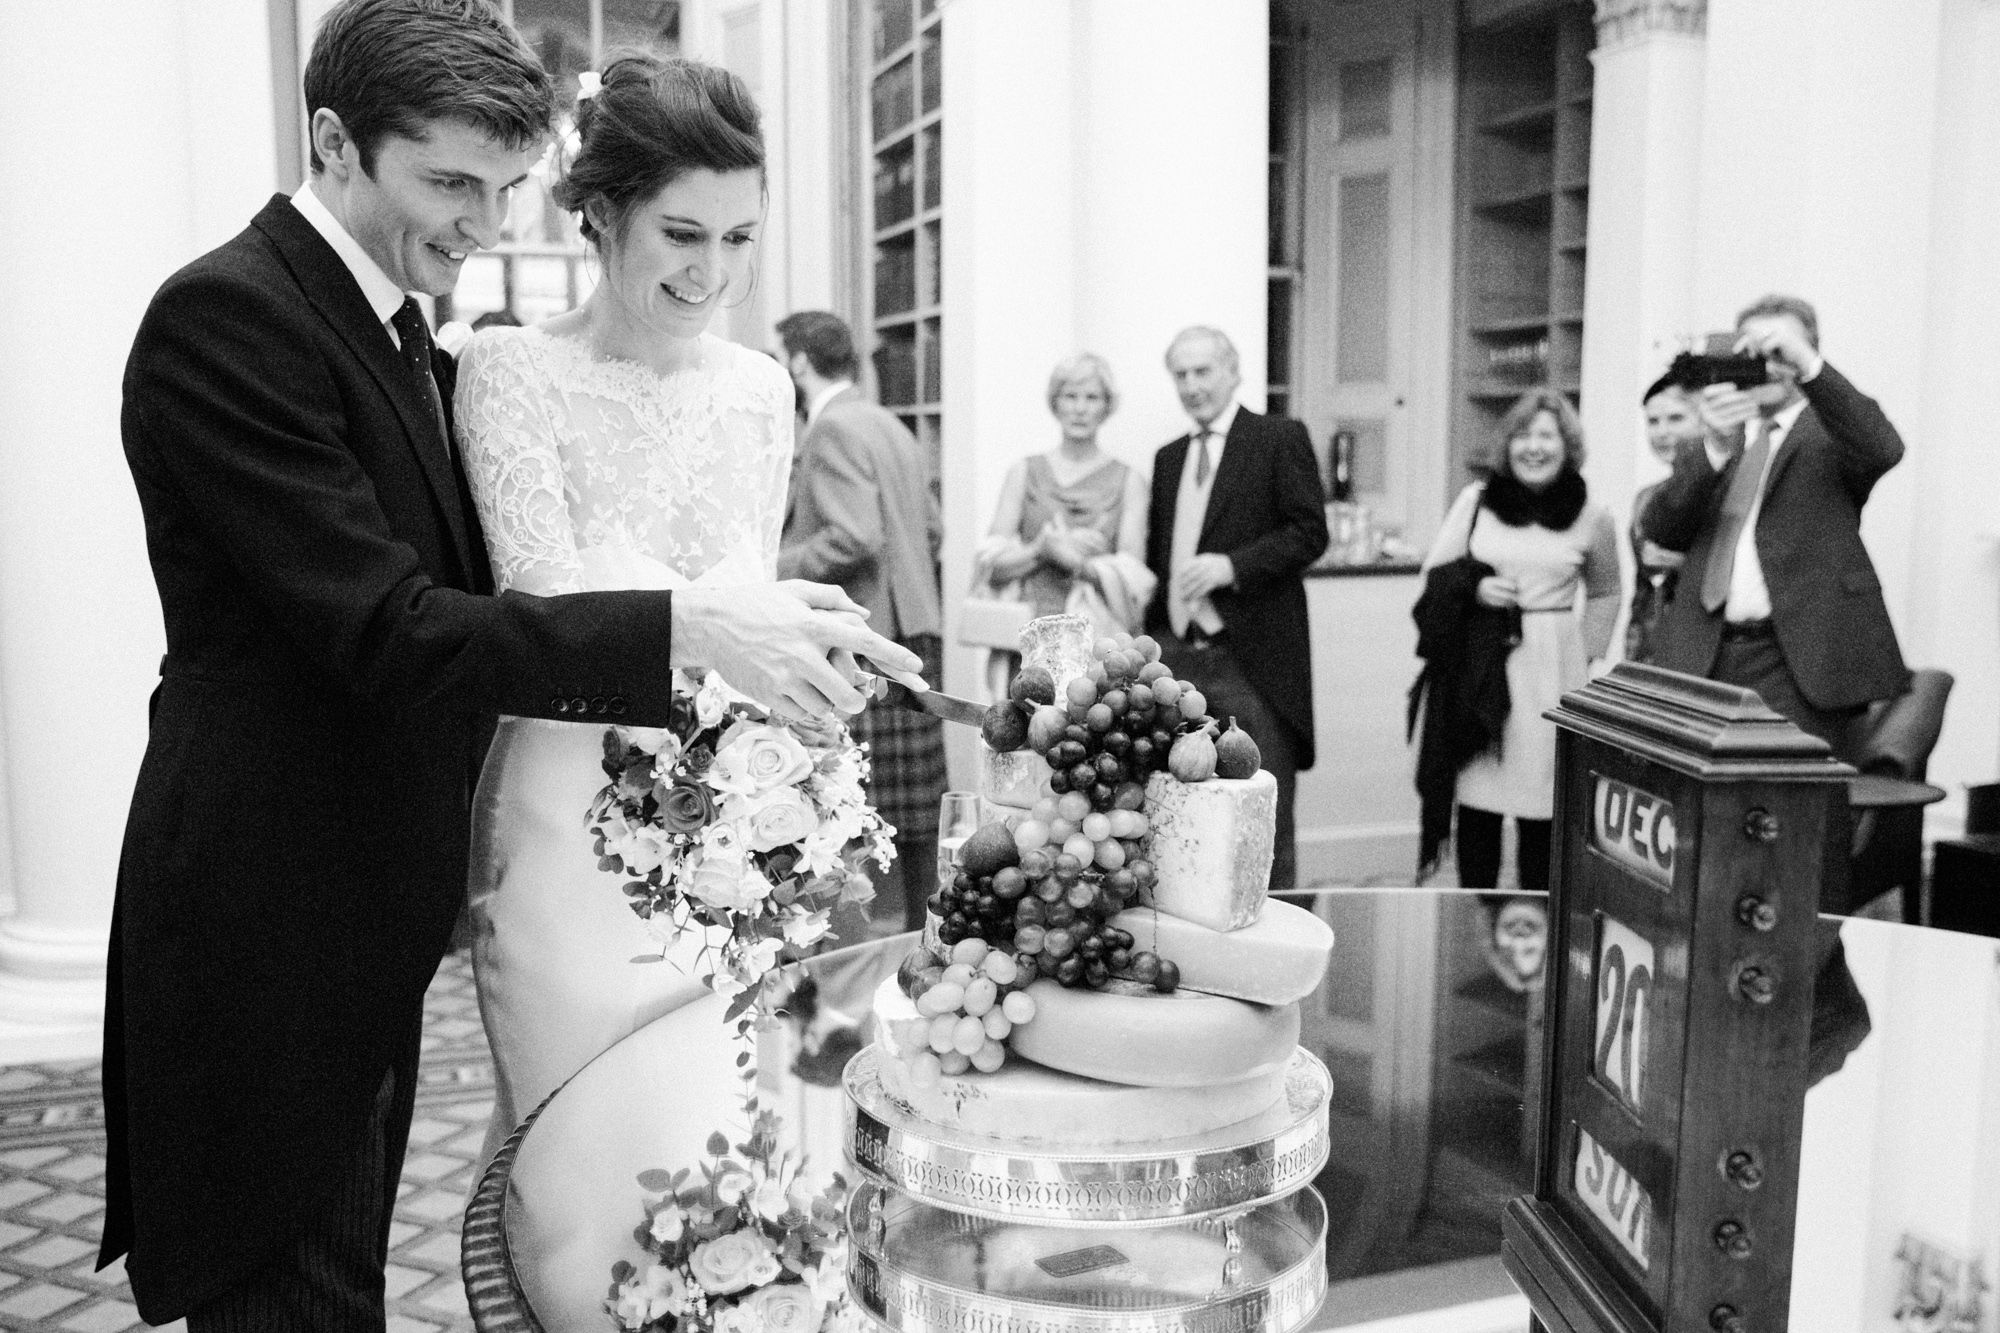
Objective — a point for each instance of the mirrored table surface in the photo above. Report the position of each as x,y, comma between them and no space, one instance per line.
1429,1022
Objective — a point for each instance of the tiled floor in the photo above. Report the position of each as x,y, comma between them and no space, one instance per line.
52,1184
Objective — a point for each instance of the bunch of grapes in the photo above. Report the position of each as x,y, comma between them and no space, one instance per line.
1045,886
1049,897
1113,728
966,1008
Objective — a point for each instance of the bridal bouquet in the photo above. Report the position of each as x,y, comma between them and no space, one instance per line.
732,819
745,1247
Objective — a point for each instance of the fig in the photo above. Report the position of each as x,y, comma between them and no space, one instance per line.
914,965
1046,728
988,851
1193,757
1004,727
1034,685
1236,754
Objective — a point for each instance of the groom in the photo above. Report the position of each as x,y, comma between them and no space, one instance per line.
296,849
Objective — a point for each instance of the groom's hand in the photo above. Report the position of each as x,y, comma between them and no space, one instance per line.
777,644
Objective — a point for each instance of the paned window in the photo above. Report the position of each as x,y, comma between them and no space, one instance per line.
902,56
539,268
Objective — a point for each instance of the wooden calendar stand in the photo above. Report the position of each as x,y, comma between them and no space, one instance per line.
1691,826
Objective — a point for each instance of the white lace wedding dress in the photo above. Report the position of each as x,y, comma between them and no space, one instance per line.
593,475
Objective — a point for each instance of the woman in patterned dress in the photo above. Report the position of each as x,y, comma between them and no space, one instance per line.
1061,510
1555,556
618,445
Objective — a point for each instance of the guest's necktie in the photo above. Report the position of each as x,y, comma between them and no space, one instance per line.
408,321
1202,467
1736,505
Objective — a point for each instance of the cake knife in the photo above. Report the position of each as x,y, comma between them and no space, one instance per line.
934,702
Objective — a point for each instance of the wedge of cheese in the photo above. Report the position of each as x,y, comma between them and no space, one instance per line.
1210,845
1016,779
1276,959
1133,1034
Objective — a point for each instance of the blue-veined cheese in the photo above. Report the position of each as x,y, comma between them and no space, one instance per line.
1016,778
1210,845
1276,959
1134,1034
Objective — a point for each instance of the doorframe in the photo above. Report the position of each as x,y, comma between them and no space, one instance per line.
1426,35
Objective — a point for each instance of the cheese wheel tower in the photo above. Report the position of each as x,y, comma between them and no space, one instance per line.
1162,1065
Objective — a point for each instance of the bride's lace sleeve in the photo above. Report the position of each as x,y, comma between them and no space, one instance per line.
779,414
507,436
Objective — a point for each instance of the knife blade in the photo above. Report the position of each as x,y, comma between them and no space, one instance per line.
934,702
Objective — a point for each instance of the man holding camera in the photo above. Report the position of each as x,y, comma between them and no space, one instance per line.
1778,594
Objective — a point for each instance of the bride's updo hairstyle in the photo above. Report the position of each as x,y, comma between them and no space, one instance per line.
651,121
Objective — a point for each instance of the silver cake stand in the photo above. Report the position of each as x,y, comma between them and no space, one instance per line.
961,1233
919,1269
1239,1166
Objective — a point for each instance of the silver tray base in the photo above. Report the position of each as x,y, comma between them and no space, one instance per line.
914,1268
1267,1157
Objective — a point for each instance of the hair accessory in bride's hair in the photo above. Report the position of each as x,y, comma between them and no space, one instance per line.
589,84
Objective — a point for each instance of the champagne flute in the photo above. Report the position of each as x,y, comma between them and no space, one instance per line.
958,819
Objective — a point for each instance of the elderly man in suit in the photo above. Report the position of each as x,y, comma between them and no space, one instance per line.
863,513
1237,515
1777,593
296,850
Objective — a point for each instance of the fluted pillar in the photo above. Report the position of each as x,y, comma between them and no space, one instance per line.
124,160
1645,160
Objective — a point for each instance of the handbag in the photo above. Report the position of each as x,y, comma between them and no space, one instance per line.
993,617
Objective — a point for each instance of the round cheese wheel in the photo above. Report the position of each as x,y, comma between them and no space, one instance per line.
1133,1034
1025,1103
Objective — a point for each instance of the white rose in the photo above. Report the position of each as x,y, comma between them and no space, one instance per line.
777,818
725,878
668,1224
784,1307
642,849
732,1262
758,758
731,1319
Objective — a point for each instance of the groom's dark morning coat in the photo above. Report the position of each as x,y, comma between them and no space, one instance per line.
296,850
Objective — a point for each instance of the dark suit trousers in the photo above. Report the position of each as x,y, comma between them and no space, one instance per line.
1755,662
1213,668
330,1279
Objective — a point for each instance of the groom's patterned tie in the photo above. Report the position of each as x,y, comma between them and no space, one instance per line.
408,321
1736,504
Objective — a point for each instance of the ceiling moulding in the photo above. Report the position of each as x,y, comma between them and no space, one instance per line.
1621,21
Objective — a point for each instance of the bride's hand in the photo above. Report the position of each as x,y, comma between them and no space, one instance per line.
775,642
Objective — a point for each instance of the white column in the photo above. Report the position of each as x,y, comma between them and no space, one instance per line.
1007,272
1954,530
1819,172
125,169
1104,185
1172,174
1645,144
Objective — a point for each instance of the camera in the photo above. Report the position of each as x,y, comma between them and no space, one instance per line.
1717,363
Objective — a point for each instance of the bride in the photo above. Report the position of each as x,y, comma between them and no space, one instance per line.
619,445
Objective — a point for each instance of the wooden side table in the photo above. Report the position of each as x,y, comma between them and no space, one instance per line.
1894,857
